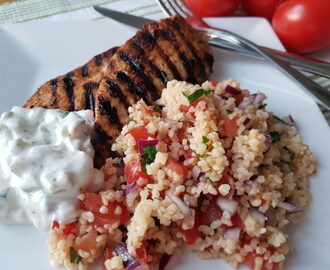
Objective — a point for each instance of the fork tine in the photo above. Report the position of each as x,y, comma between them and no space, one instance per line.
164,8
177,9
182,7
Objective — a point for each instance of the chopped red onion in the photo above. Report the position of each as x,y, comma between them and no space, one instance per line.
232,233
258,216
131,187
290,208
232,90
269,139
179,203
165,261
246,121
197,173
129,262
227,205
170,121
258,99
248,182
254,99
142,143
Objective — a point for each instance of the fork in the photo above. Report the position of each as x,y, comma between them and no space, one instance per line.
177,7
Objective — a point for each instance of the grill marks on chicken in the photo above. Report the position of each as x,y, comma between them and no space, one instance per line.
113,81
74,90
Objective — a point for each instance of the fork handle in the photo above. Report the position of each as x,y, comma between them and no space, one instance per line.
321,94
302,63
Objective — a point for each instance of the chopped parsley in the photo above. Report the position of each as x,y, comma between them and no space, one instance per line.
276,136
205,139
149,154
134,121
280,120
229,111
271,245
105,252
292,156
197,94
149,189
200,156
262,106
74,256
156,108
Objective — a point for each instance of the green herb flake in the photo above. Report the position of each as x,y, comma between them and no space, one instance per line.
262,106
229,111
156,108
149,189
105,252
292,156
149,154
205,139
74,256
280,120
276,136
197,94
271,245
200,202
200,156
134,121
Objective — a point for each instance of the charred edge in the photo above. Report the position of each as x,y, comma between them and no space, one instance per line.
137,68
98,59
132,87
100,135
53,84
210,60
115,91
161,75
68,84
84,71
150,41
111,112
200,64
89,87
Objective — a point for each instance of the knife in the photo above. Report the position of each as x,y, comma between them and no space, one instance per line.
300,62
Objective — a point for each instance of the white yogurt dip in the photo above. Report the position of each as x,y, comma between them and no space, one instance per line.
46,160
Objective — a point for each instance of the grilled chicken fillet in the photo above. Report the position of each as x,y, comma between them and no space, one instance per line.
159,52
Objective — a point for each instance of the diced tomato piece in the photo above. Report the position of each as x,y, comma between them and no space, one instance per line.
214,82
236,221
238,99
68,228
230,126
177,166
142,253
87,242
140,133
55,225
192,234
92,202
184,108
181,134
188,154
212,212
199,100
133,171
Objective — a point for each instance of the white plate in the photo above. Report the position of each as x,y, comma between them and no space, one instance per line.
32,53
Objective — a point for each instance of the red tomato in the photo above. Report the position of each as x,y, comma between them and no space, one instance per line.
261,8
303,25
133,171
212,213
66,228
184,108
213,8
92,202
177,166
193,234
142,253
230,126
140,133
